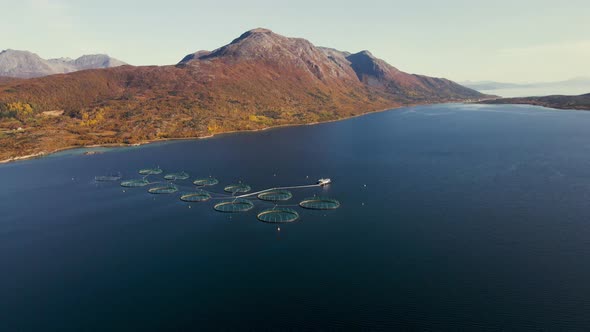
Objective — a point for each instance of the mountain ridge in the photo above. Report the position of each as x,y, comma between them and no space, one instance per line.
573,86
26,64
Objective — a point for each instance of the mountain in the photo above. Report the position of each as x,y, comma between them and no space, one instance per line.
24,64
581,102
491,85
329,64
408,87
261,79
94,61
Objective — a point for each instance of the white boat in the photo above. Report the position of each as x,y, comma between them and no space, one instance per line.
323,182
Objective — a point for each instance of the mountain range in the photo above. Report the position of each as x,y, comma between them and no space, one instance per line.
573,86
24,64
260,79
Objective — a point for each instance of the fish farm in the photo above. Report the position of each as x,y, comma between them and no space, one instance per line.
278,215
234,198
107,178
237,188
135,183
275,195
150,171
165,189
197,196
320,203
203,182
234,205
176,176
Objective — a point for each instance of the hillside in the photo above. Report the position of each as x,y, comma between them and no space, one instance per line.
581,102
24,64
259,80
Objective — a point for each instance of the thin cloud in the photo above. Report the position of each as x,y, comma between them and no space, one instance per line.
576,48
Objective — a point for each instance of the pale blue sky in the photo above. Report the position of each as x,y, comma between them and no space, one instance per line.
518,40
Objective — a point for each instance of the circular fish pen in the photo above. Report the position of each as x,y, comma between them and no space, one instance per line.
165,189
197,196
202,182
107,178
150,171
237,188
320,203
275,195
135,183
234,205
176,176
278,215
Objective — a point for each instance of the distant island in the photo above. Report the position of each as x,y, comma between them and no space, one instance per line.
573,86
581,102
581,81
260,80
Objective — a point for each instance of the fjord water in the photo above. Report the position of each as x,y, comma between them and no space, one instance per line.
453,216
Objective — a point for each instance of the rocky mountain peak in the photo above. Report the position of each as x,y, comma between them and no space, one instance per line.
297,55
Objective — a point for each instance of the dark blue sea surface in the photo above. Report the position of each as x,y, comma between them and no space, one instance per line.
452,217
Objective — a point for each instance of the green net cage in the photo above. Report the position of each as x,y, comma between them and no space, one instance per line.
237,188
275,195
107,178
202,182
196,196
278,215
150,171
234,205
135,183
165,189
176,176
320,203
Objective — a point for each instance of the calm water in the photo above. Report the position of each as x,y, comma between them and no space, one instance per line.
452,217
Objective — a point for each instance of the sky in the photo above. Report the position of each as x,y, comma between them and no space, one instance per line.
499,40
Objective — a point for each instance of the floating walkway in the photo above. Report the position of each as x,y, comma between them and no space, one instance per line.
279,188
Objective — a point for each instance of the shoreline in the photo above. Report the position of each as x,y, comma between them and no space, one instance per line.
123,145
